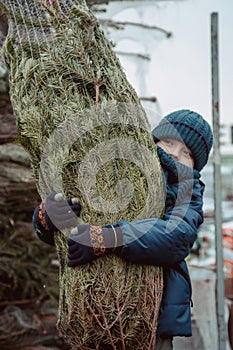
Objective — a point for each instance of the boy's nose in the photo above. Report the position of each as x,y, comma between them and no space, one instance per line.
174,153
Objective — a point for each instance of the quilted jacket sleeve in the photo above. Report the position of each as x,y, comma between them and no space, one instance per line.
42,232
164,241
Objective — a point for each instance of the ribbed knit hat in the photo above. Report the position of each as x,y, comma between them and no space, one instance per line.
190,128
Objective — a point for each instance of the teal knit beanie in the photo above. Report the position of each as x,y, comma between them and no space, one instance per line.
190,128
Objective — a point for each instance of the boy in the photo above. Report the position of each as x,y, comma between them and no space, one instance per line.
184,141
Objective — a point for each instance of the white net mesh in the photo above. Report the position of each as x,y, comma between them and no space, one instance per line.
61,66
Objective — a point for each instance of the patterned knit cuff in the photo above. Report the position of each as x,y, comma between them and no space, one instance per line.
42,215
97,240
41,231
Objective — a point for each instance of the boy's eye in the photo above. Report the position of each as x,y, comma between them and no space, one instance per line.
168,142
188,154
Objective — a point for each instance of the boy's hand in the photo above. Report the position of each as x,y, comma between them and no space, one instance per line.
61,213
91,242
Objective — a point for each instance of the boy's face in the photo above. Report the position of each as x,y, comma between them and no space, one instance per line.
178,151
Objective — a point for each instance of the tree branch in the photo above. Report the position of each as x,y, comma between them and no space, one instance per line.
120,25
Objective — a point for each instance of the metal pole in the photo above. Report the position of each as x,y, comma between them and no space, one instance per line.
217,184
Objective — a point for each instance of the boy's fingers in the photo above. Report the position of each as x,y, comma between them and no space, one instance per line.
58,197
74,200
73,232
71,242
73,254
51,196
74,263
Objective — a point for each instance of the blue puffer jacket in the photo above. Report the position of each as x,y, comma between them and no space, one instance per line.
168,241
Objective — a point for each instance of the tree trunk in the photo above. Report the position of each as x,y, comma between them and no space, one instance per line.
87,136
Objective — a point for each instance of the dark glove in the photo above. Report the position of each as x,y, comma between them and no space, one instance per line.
92,242
61,213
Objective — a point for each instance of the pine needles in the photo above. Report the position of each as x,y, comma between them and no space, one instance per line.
87,135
